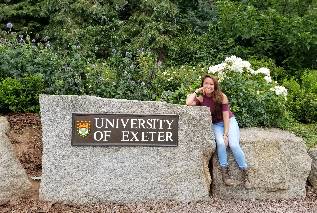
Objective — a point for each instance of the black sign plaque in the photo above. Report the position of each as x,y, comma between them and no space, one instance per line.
124,130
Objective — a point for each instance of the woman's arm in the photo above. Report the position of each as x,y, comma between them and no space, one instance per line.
192,98
225,115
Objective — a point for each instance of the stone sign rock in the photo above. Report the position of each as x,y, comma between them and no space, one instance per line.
13,178
88,174
313,173
279,166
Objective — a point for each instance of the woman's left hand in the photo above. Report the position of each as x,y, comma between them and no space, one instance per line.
226,140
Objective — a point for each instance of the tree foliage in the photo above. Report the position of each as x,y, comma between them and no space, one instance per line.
142,49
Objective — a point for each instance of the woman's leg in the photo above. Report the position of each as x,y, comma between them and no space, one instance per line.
221,147
222,154
234,144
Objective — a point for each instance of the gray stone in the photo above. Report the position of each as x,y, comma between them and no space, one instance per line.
13,178
123,174
279,166
312,178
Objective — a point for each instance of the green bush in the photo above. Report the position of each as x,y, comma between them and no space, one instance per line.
174,83
21,95
63,73
302,100
132,76
309,79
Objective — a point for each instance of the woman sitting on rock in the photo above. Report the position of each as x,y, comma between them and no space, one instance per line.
225,126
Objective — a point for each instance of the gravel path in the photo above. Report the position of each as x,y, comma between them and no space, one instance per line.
308,204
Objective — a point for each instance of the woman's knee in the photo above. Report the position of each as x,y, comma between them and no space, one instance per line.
234,147
219,140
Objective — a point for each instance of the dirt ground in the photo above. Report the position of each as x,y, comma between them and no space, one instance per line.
26,134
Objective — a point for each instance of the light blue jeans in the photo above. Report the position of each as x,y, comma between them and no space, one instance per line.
234,138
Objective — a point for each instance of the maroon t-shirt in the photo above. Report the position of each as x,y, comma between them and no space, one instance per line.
207,101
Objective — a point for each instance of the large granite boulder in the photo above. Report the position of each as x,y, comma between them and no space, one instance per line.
313,173
279,166
84,174
14,181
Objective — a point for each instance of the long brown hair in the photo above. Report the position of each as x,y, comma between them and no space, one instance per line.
217,96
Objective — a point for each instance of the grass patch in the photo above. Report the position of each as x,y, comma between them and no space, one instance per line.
307,131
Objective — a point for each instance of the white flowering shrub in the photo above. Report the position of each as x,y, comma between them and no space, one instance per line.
255,98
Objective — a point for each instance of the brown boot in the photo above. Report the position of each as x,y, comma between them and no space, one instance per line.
226,177
245,178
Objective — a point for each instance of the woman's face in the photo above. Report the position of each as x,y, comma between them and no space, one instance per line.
208,85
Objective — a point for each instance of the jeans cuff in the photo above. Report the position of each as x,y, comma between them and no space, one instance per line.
243,168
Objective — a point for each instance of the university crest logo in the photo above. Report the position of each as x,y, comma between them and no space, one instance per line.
83,128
